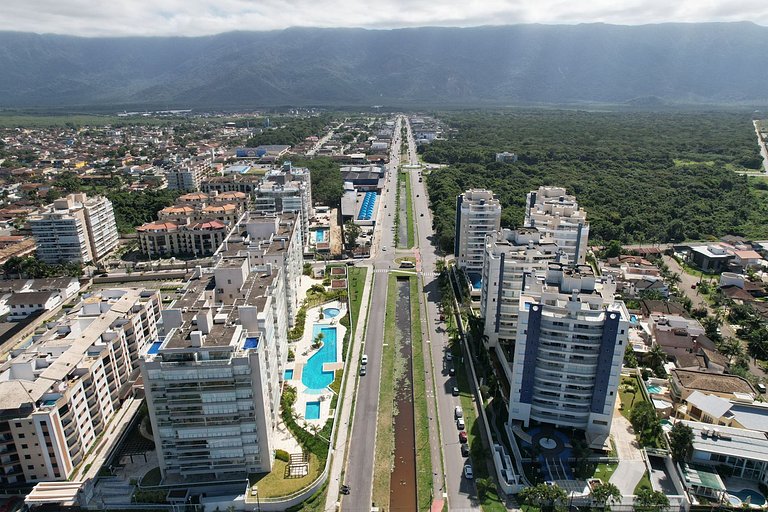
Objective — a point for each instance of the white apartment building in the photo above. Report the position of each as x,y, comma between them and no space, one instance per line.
555,213
478,213
571,338
287,190
76,228
213,382
509,255
59,389
190,173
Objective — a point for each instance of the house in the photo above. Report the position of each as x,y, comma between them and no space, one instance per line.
715,410
712,258
684,382
23,304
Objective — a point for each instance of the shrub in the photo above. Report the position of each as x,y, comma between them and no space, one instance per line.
282,455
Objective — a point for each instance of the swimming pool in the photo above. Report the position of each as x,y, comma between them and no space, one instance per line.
320,235
313,375
154,348
331,312
312,412
653,389
288,375
755,498
633,319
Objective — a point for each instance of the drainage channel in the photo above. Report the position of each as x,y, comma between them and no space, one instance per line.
402,485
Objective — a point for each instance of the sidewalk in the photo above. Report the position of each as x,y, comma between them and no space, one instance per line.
345,401
631,466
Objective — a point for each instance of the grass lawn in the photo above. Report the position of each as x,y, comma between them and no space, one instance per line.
385,434
603,471
275,483
409,209
423,457
356,277
644,483
629,399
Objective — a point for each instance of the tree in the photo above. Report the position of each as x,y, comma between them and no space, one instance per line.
656,359
681,442
645,422
483,486
547,497
351,232
648,500
612,250
606,493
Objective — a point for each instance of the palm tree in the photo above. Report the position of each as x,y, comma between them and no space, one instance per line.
483,486
604,494
656,357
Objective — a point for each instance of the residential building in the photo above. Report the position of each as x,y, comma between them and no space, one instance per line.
738,413
509,255
59,389
478,213
76,228
553,212
213,381
190,173
684,382
287,190
571,338
506,157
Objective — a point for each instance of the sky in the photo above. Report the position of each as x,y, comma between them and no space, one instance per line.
95,18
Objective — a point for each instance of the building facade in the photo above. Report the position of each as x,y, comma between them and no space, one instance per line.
570,344
76,228
213,381
478,213
59,393
557,214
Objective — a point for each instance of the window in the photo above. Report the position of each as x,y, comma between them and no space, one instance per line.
21,436
31,466
23,447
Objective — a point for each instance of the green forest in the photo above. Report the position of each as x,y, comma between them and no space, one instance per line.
642,177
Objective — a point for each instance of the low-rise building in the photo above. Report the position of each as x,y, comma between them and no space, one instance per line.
685,382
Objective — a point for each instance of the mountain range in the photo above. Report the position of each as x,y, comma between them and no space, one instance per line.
707,63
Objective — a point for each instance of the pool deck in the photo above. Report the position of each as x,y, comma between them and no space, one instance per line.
303,351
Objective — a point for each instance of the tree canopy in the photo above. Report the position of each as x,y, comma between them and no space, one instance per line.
642,177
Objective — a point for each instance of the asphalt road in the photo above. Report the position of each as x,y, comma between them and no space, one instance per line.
359,469
461,492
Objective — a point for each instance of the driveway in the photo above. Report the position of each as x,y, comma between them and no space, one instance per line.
631,465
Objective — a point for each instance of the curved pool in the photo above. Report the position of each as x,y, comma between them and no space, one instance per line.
331,312
754,497
313,375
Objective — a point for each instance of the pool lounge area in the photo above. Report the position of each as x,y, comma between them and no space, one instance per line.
314,369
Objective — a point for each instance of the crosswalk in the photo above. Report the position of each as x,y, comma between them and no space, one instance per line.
406,271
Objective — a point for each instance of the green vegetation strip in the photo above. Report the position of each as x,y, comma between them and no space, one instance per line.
421,418
357,277
409,209
276,483
385,435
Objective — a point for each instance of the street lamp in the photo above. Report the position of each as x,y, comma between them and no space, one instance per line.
258,502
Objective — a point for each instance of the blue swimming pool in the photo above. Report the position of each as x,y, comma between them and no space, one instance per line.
313,411
154,348
331,312
755,498
633,319
313,375
288,375
320,235
250,343
653,389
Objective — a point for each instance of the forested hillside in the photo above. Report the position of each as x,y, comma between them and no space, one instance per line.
642,177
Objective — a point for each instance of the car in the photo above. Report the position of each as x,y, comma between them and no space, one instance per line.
693,286
364,360
350,263
458,412
455,391
468,473
383,247
448,356
761,388
452,371
462,437
460,423
465,450
422,214
362,371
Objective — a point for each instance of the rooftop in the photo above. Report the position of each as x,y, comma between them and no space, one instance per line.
712,382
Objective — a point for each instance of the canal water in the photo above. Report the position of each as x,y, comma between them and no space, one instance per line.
402,485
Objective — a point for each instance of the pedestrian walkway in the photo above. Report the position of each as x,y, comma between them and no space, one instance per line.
631,464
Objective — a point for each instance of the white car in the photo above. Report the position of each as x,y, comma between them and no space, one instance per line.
364,360
468,473
460,423
458,412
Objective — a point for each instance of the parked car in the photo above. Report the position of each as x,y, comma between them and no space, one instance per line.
458,412
465,450
468,473
462,437
448,356
452,371
460,423
761,388
362,371
455,391
364,360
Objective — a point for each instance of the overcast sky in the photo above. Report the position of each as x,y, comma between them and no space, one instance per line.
202,17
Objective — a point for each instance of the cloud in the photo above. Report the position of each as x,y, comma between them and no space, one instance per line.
204,17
